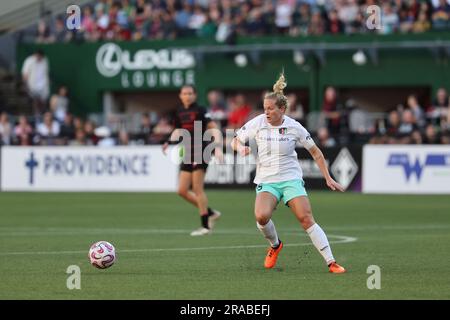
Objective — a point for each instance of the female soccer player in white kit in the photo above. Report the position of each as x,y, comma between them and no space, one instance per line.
279,175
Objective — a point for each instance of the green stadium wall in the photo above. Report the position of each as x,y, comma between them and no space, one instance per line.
74,64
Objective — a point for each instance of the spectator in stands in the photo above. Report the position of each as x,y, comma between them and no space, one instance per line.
67,131
88,24
442,99
141,19
437,113
332,110
91,136
102,20
334,25
217,107
317,26
44,34
348,13
168,26
145,129
283,16
59,104
197,19
23,132
48,130
301,20
5,129
78,123
226,31
105,139
406,16
295,108
182,18
60,33
422,24
390,19
123,138
445,137
324,140
162,130
431,136
35,73
209,28
407,127
441,15
359,120
416,137
417,110
239,112
393,126
255,24
80,139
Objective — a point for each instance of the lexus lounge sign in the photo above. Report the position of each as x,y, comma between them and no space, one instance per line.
146,68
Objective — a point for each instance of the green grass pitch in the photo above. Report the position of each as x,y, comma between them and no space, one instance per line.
41,234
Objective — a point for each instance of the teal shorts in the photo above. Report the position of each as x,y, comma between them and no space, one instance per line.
285,190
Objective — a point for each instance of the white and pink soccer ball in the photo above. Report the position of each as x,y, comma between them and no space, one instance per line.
102,254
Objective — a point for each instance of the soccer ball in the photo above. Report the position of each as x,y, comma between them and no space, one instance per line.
102,254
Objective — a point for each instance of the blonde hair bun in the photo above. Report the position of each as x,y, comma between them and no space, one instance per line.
279,86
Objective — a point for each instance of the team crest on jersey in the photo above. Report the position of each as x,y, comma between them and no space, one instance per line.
282,130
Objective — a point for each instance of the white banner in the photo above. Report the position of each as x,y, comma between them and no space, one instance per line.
87,169
406,169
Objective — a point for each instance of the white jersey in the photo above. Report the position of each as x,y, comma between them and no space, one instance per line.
277,160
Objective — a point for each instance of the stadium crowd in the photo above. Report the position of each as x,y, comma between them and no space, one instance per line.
227,19
337,123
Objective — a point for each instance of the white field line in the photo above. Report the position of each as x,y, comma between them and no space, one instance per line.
339,239
48,232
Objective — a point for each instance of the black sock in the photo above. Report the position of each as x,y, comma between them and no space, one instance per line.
210,212
204,218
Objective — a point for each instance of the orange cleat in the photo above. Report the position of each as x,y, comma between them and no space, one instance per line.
335,268
272,256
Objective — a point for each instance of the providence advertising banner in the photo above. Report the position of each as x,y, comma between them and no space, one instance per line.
87,169
343,163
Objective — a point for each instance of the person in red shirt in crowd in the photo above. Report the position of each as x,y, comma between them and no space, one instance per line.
331,110
240,112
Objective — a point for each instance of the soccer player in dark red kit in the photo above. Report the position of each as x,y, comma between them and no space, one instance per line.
191,122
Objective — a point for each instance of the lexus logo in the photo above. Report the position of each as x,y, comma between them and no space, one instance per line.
109,60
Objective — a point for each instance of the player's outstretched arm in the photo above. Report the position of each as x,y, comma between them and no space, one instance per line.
318,157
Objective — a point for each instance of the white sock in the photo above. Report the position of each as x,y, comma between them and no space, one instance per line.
269,232
320,241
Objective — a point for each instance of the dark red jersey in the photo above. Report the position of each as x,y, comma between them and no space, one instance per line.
195,120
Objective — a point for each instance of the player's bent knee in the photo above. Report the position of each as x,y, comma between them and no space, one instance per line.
183,192
306,221
262,217
199,192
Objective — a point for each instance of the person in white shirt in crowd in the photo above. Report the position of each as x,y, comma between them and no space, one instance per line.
48,130
35,74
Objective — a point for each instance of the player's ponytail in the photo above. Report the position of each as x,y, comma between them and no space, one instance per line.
279,86
278,92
